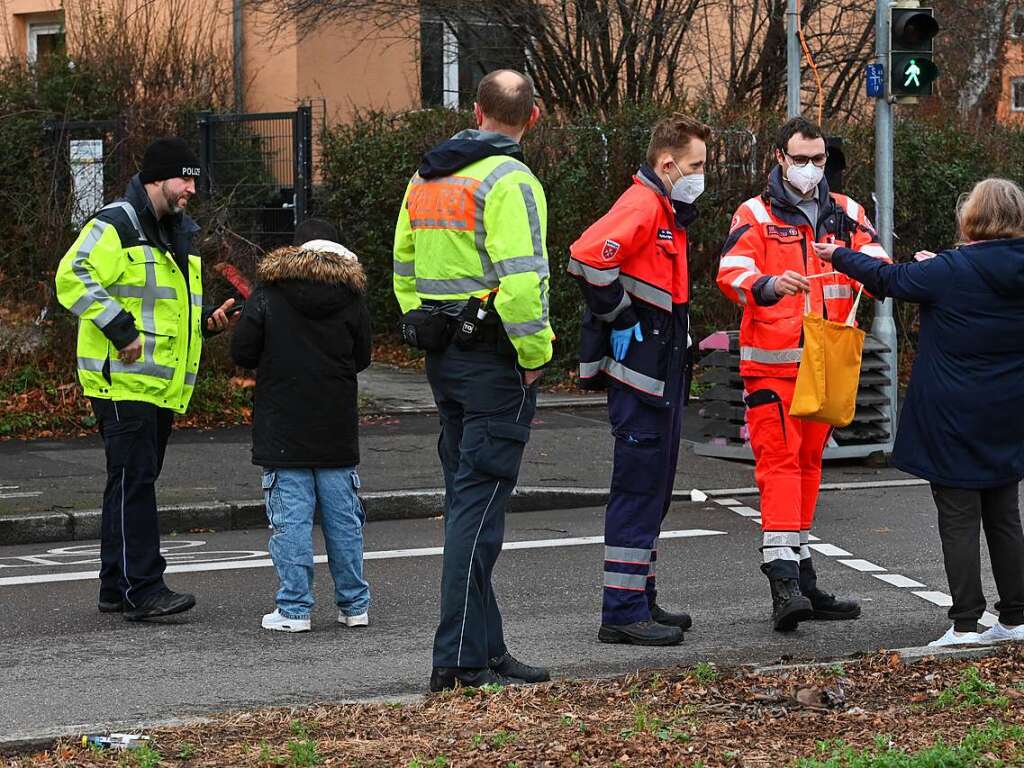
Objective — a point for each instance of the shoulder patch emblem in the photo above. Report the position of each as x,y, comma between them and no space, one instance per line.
665,234
774,230
610,249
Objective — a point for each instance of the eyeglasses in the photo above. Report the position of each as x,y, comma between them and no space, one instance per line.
818,160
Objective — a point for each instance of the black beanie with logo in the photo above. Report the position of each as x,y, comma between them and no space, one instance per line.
168,158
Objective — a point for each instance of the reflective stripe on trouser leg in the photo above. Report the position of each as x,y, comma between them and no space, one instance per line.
805,550
780,545
636,504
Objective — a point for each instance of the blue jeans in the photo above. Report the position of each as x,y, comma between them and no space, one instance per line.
292,496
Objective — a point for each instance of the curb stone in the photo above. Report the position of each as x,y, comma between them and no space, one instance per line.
84,525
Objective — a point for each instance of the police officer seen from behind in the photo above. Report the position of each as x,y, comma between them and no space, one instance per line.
631,266
471,276
769,267
138,293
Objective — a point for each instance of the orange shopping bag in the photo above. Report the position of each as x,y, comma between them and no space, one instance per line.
829,374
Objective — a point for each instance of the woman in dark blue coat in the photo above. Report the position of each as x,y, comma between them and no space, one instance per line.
962,423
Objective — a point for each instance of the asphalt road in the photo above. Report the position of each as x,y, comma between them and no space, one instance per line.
63,665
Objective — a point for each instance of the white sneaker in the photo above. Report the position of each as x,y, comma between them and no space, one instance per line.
953,637
279,623
362,620
999,633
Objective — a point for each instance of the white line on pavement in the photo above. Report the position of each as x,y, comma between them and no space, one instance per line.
830,550
899,580
864,566
21,495
940,599
385,554
715,493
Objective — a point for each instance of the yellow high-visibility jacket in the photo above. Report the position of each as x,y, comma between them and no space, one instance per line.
481,229
114,268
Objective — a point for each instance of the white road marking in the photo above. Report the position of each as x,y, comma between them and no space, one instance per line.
864,566
727,502
386,554
899,580
718,493
21,495
745,511
830,550
940,599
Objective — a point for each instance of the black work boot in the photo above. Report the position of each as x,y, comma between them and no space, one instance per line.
163,603
789,605
508,665
447,678
110,606
826,607
681,619
640,633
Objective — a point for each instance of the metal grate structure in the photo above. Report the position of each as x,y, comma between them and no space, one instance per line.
723,412
258,173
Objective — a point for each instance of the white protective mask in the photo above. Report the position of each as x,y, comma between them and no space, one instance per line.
688,188
805,177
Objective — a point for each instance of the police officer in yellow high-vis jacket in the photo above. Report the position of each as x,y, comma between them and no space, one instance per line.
470,245
137,290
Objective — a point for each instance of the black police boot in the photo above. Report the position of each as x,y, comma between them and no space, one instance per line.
509,666
640,633
789,605
110,606
681,619
826,607
164,603
447,678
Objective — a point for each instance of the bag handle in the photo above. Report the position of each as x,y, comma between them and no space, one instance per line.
850,318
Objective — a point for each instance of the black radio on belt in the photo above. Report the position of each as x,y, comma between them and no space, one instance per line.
469,321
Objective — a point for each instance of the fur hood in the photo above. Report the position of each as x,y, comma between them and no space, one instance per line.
291,263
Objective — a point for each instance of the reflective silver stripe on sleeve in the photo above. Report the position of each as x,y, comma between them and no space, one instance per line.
619,372
609,317
771,356
633,581
756,207
780,553
738,282
641,290
94,293
480,198
520,265
593,275
437,223
197,299
836,291
526,328
627,555
780,539
738,261
459,285
404,268
190,379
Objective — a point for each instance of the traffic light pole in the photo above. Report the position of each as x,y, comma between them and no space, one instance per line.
883,327
793,58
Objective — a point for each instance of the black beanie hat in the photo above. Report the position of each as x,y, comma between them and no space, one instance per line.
168,158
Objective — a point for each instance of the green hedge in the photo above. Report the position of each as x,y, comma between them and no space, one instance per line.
585,166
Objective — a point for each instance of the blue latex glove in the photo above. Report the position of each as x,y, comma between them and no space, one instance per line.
622,339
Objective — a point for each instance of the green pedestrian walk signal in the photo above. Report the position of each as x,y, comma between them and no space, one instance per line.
912,69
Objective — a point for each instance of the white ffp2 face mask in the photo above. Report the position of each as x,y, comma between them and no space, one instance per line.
805,177
688,188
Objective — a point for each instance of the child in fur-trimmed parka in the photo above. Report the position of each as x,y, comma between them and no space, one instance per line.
306,331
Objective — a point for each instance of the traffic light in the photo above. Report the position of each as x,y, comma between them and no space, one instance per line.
912,69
